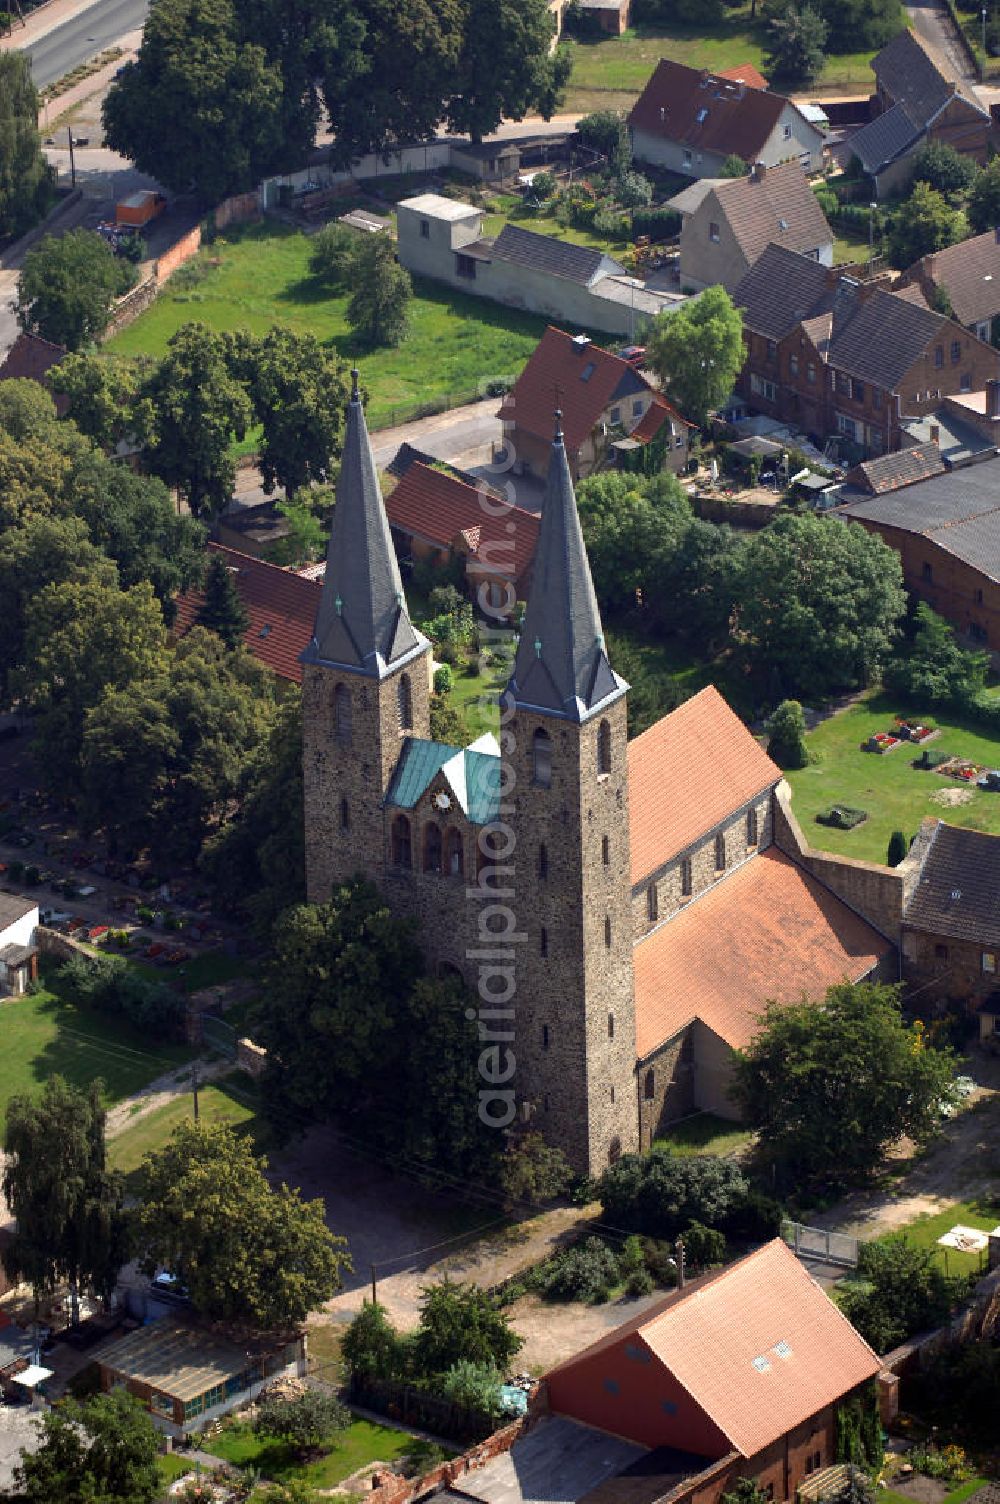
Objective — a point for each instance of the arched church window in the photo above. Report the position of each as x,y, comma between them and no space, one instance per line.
402,853
454,853
432,848
607,933
652,903
342,713
720,851
649,1085
542,750
345,815
604,748
543,860
606,850
751,826
405,703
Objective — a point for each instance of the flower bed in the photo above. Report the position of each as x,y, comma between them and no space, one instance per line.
880,741
960,768
913,731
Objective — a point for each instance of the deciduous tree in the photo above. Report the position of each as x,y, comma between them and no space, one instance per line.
923,223
299,391
67,286
26,179
505,69
379,308
899,1289
461,1322
944,168
100,1451
103,396
305,1421
698,351
983,208
831,1087
245,1251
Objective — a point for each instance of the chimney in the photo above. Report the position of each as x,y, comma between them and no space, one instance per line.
679,1248
935,432
993,398
758,172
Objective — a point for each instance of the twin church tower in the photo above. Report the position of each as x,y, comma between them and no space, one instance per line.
515,847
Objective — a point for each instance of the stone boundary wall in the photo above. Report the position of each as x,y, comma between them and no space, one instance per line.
128,308
396,1490
978,1318
242,208
251,1058
61,947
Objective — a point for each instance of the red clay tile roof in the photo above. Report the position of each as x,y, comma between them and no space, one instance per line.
586,378
30,358
653,419
785,936
738,122
745,73
760,1347
688,772
281,605
437,506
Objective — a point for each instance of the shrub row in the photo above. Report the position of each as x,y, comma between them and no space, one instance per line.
109,984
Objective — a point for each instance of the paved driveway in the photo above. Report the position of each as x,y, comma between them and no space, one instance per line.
18,1428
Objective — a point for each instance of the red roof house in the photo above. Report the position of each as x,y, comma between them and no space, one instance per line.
281,606
30,358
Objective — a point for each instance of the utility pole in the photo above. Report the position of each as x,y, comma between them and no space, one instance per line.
374,1299
194,1088
72,159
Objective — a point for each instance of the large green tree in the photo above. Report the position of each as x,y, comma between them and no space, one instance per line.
247,1253
462,1322
299,392
698,351
899,1289
505,69
103,396
201,108
68,1205
924,222
67,286
222,611
818,606
26,179
944,168
379,307
983,208
796,42
99,1451
832,1085
82,641
932,667
200,407
866,24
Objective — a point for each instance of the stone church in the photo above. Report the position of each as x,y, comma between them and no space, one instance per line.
652,894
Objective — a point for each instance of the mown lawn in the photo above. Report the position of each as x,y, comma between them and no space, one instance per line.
217,1103
361,1443
925,1231
705,1134
512,210
473,695
45,1036
956,1496
259,276
896,795
622,65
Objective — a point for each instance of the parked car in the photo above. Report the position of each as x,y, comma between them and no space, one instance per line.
634,355
168,1285
54,917
81,890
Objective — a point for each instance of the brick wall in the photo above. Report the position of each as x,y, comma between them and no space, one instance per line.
182,250
242,208
944,968
396,1490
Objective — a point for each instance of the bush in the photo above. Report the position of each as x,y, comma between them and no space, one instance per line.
372,1348
444,680
660,1261
474,1386
841,816
640,1282
331,255
787,736
658,224
900,1290
110,985
305,1422
587,1272
662,1193
703,1246
897,849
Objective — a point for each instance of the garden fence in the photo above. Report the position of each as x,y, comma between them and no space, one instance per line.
819,1243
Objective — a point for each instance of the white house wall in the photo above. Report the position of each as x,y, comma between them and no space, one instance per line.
803,142
22,931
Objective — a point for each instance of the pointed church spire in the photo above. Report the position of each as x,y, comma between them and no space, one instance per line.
362,623
561,666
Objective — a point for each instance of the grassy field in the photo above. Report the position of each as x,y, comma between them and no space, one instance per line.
512,210
216,1104
44,1036
956,1496
259,276
896,795
925,1231
705,1134
361,1443
620,66
849,247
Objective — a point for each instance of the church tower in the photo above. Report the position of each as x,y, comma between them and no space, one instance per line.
365,679
564,735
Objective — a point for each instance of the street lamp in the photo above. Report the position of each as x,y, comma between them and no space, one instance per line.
871,233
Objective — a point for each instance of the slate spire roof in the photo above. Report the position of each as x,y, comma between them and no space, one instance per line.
561,665
362,624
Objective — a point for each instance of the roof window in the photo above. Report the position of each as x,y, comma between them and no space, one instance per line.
587,371
782,1349
762,1365
701,116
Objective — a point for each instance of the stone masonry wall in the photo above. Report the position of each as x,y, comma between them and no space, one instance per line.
672,1067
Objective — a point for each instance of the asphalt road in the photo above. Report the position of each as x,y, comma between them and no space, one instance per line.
99,26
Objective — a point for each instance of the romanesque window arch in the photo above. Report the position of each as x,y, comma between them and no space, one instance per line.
607,933
611,1026
454,852
343,713
649,1085
604,748
606,850
404,699
614,1151
652,903
541,746
720,851
402,850
543,861
345,815
752,834
432,848
543,941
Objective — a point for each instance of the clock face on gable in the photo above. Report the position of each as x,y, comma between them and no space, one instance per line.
442,801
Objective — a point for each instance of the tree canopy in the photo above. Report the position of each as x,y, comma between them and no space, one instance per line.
504,69
922,223
796,44
26,179
67,286
222,611
98,1451
299,391
246,1252
698,351
899,1289
461,1322
831,1087
379,307
983,207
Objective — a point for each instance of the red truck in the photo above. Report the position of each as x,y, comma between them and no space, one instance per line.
139,208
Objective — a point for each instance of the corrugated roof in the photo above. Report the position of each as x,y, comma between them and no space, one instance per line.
958,892
561,258
439,507
885,138
786,936
280,603
707,111
780,206
686,773
571,373
760,1348
179,1359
